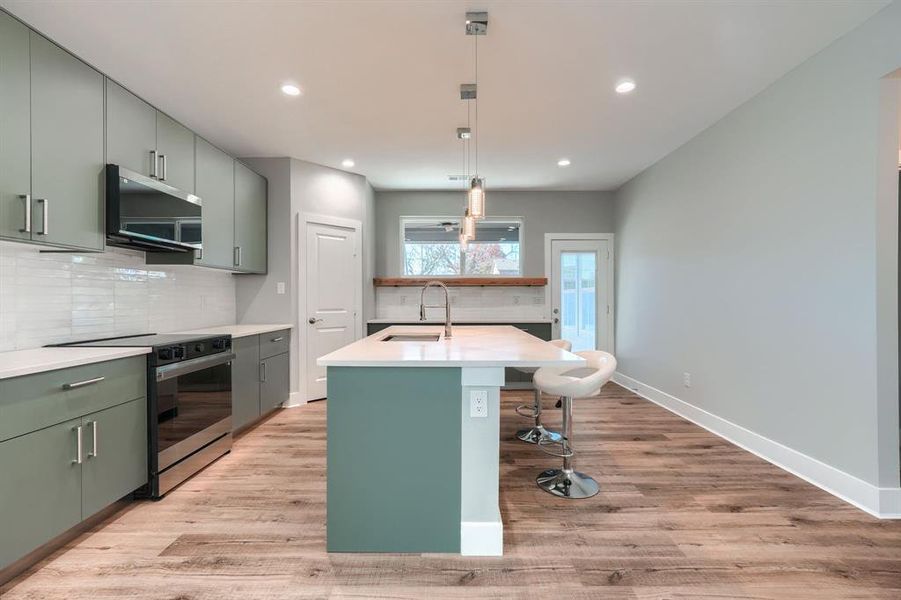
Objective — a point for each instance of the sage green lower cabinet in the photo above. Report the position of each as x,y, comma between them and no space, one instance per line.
245,381
261,376
49,482
115,455
274,384
15,129
41,492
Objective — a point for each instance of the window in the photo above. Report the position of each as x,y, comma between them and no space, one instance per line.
431,246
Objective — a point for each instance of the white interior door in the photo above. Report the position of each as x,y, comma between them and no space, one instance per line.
580,295
334,286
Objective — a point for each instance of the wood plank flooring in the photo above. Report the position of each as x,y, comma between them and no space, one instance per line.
681,514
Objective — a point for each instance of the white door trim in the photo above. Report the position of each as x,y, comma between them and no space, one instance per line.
304,219
611,296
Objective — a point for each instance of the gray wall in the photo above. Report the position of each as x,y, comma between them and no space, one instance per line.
542,212
761,257
295,187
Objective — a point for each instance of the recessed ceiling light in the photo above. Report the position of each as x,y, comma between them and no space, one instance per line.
347,163
625,86
563,162
289,89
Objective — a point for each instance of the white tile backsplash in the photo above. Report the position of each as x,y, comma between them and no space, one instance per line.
467,303
48,298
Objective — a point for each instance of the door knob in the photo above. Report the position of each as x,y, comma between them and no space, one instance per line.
556,320
313,320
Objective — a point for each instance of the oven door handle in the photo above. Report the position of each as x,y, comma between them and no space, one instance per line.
190,366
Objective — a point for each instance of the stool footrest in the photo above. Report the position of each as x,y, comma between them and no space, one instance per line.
526,410
567,451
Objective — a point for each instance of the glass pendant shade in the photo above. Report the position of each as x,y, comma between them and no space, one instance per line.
469,226
477,198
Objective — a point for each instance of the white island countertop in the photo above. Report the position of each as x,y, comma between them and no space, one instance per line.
469,346
37,360
239,331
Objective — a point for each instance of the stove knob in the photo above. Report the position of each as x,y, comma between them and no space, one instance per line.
198,348
179,352
164,353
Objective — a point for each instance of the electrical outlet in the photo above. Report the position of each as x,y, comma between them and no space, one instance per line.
686,379
280,287
515,299
403,300
478,404
537,300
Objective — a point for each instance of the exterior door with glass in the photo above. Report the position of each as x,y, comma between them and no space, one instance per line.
580,299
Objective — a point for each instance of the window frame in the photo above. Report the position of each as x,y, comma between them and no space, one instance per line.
431,219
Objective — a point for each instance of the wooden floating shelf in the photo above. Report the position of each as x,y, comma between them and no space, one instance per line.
461,281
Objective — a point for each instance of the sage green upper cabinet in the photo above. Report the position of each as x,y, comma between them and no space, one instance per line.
175,145
147,141
15,129
250,220
130,131
66,148
215,175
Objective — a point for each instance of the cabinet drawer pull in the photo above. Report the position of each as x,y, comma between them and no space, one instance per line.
78,384
27,199
277,339
263,372
164,169
78,444
45,226
237,256
153,161
93,452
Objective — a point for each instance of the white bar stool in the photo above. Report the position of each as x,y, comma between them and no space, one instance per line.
572,383
534,434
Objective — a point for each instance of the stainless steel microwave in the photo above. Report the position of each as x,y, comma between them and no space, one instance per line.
147,214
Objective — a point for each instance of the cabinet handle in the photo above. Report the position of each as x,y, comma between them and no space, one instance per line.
277,339
164,170
78,443
263,372
153,163
78,384
45,226
27,199
93,452
237,256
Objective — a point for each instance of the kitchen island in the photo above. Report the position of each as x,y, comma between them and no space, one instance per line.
414,437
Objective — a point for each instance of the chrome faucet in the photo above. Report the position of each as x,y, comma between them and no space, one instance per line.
447,304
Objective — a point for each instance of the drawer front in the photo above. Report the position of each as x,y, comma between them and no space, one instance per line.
274,343
36,401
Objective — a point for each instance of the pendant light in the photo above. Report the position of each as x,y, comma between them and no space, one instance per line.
469,226
476,25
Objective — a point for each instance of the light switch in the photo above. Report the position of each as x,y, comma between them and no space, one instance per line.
478,404
280,287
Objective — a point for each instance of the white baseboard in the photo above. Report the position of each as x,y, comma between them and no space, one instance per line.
482,538
884,503
294,400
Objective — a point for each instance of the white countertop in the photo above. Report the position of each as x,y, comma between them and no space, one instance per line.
413,321
470,346
36,360
238,331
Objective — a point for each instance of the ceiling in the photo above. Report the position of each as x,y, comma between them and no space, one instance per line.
380,78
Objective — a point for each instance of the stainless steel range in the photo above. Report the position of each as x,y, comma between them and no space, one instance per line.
189,400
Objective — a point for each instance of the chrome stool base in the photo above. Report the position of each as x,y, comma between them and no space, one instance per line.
534,435
563,484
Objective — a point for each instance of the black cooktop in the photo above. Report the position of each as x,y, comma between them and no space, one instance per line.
153,340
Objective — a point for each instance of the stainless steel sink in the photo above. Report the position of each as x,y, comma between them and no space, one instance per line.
413,337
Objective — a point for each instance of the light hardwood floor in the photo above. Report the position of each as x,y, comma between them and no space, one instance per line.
681,514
